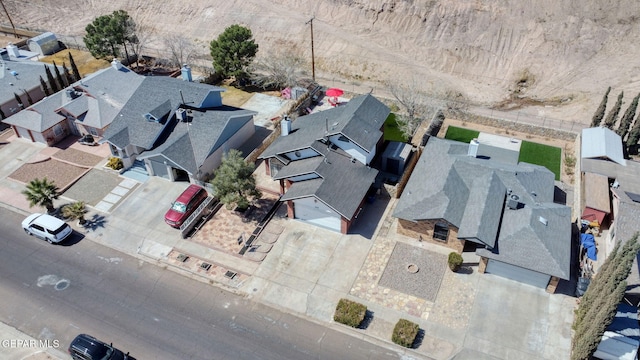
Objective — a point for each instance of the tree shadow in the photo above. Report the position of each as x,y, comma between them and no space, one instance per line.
465,270
418,340
368,318
96,221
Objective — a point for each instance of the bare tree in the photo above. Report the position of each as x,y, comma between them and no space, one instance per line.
413,102
181,49
279,68
143,35
419,104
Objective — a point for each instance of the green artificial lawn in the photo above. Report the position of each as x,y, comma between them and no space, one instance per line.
391,130
543,155
460,134
530,152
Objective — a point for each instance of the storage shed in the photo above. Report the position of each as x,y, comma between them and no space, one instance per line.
44,44
395,157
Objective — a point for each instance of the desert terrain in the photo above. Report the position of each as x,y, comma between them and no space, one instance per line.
555,58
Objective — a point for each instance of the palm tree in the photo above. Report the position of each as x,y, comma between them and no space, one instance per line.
74,211
41,193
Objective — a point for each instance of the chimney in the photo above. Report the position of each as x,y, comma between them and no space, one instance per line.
13,50
473,148
513,201
285,126
116,64
186,73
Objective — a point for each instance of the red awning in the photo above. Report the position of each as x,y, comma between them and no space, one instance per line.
593,215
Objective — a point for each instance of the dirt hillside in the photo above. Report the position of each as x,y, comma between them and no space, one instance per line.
563,53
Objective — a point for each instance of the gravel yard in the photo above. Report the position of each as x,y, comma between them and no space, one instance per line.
422,279
93,186
77,157
61,173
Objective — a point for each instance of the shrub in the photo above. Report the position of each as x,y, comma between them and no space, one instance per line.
115,163
350,313
405,332
455,261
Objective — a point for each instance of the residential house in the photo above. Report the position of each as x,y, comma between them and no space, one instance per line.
86,107
178,129
618,184
21,78
479,195
322,161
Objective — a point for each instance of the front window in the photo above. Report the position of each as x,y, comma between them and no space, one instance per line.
179,207
441,231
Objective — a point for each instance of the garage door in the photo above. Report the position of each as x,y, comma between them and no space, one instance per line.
317,216
160,169
517,273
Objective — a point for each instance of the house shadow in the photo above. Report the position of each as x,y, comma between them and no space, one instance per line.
260,134
96,221
465,270
369,217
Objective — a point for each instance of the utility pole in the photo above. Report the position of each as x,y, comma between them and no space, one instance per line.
15,33
313,58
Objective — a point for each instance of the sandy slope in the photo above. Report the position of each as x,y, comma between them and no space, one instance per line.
568,50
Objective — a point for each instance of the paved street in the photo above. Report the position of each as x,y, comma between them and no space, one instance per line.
54,292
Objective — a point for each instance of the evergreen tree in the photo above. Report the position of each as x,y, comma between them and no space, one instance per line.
59,77
67,75
233,51
52,81
234,181
627,118
29,100
599,303
20,104
74,68
634,135
108,33
597,117
612,116
44,87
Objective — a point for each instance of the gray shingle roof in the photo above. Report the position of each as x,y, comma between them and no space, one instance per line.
342,184
190,143
27,78
152,93
101,96
470,193
360,120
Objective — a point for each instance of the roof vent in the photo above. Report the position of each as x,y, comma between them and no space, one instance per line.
544,221
513,201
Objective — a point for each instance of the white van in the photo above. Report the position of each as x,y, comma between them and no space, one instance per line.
46,227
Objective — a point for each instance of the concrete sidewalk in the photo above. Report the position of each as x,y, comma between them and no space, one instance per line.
16,345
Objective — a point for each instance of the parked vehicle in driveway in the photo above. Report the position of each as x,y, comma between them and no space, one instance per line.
185,205
46,227
86,347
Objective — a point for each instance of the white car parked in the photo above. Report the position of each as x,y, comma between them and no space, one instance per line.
46,227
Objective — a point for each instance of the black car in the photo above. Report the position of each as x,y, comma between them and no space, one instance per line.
86,347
